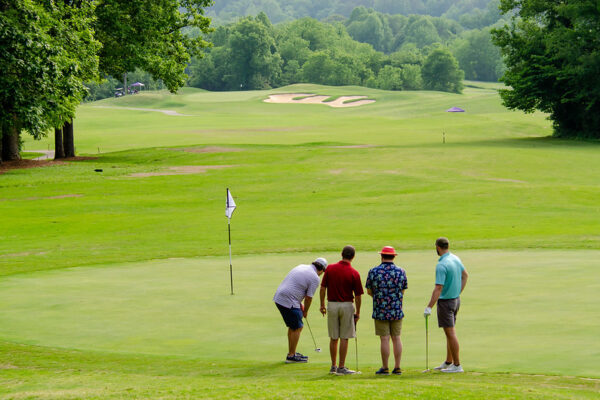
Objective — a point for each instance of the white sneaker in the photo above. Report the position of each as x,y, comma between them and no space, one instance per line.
453,368
442,366
344,371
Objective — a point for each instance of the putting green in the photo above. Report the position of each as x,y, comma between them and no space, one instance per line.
523,311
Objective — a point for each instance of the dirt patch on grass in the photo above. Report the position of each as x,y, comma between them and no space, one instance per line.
62,196
354,146
505,180
303,98
181,170
24,164
8,366
210,149
23,254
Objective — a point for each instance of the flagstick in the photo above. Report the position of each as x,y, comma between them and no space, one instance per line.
230,266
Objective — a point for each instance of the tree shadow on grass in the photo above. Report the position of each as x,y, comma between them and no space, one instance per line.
542,142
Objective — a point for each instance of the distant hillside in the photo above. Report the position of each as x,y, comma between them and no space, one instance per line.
467,12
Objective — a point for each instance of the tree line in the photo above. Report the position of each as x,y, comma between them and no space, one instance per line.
469,13
255,54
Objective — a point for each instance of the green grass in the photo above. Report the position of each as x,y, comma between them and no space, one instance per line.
30,155
116,286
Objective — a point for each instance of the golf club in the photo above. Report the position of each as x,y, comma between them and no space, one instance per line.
317,349
356,346
427,345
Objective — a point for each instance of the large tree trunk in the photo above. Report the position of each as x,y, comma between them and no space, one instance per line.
59,150
10,143
124,84
68,142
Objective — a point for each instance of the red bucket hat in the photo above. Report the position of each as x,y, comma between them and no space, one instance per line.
388,250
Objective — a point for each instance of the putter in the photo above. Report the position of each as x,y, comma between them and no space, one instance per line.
427,345
317,349
356,347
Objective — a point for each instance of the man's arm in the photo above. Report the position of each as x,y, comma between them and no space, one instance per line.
357,301
435,295
464,277
307,302
322,298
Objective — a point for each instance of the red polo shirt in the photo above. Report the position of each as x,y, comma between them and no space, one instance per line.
342,282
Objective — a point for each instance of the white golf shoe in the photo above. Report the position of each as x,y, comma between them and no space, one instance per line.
442,366
453,368
344,371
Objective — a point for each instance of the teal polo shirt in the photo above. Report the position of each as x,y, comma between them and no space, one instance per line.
448,272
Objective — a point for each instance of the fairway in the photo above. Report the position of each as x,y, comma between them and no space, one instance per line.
114,275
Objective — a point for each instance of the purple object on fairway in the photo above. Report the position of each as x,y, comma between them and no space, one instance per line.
455,109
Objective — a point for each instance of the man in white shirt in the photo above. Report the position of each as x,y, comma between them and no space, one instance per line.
299,285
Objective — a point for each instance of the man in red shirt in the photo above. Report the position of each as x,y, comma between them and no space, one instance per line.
342,285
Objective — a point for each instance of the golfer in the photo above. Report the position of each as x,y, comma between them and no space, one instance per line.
450,280
342,285
386,283
300,284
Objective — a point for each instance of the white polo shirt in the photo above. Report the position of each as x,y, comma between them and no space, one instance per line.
302,281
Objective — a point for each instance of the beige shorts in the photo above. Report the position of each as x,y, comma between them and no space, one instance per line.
340,320
388,328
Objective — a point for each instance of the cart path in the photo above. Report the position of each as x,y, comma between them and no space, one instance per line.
48,154
166,112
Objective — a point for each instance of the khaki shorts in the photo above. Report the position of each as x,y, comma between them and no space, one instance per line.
340,320
388,328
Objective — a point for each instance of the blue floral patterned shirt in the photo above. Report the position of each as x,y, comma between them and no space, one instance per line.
387,281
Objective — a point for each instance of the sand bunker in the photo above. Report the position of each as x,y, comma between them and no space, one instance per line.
166,112
182,170
307,98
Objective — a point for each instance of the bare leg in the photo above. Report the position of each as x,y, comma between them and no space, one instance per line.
333,350
343,352
293,338
385,350
452,344
397,343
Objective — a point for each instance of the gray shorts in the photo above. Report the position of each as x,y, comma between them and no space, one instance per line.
446,312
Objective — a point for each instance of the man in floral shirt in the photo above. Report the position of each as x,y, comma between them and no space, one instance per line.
386,283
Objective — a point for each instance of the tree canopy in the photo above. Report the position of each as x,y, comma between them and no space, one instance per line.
48,49
474,12
148,34
553,62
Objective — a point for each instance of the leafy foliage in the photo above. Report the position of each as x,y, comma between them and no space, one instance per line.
148,34
474,11
553,62
47,51
253,54
441,72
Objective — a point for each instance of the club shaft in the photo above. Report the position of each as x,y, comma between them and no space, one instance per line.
356,350
311,333
426,343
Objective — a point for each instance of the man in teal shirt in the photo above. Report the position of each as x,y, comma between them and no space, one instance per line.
450,280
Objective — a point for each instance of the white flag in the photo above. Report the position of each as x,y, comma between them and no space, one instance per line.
230,205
